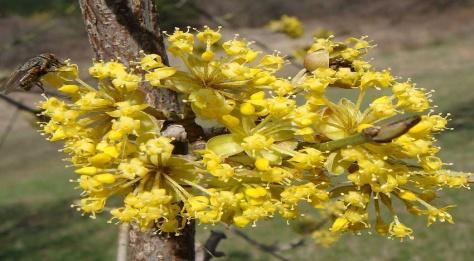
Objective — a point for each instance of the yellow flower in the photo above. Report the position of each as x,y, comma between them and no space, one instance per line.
257,192
128,81
130,170
399,230
151,61
262,164
197,203
290,25
340,224
90,101
235,47
325,238
376,79
307,158
159,74
181,43
256,142
271,62
209,36
92,204
126,108
241,221
158,150
98,70
125,125
382,107
209,104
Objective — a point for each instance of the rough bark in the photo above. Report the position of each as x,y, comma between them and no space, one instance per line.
148,246
120,29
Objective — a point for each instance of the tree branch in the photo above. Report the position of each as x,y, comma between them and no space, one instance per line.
120,29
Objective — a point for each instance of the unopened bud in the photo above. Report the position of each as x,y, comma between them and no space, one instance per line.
391,131
315,60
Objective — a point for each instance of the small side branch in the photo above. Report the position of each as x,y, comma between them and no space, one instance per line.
209,250
270,249
19,105
9,127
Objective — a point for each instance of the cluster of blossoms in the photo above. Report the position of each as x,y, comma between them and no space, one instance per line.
285,143
289,25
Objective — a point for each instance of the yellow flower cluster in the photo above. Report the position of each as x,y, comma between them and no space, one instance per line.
289,25
286,143
115,145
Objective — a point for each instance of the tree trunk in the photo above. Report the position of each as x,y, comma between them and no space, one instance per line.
120,29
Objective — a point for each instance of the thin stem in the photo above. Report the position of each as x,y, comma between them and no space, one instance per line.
257,244
355,139
283,150
9,127
175,184
19,105
192,184
86,85
361,97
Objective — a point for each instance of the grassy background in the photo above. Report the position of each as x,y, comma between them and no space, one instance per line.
37,224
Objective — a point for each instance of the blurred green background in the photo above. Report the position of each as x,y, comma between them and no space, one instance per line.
428,41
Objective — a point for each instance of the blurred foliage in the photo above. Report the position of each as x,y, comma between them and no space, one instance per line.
173,13
29,7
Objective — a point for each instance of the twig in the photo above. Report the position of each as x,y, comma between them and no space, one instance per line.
288,246
48,93
9,127
19,105
265,248
209,250
277,247
122,244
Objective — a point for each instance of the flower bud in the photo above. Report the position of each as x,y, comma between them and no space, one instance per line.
100,159
241,221
340,224
105,178
408,195
391,131
315,60
87,171
262,164
69,88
